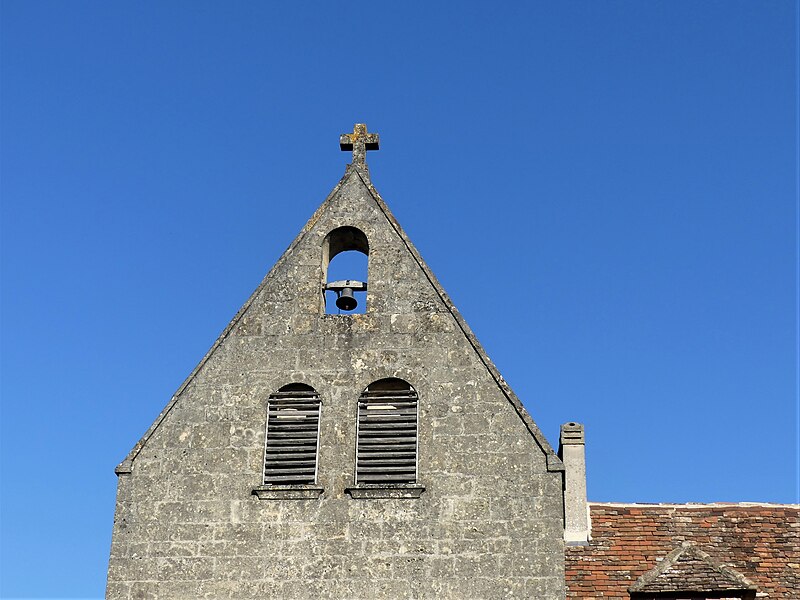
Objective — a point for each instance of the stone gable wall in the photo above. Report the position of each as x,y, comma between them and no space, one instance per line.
489,524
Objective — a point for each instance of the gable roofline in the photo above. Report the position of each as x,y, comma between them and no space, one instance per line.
126,466
730,578
552,460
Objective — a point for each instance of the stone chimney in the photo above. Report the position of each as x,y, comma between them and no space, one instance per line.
572,451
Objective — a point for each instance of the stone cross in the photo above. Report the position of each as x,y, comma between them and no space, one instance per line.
359,142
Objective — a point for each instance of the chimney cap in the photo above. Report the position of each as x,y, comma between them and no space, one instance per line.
572,434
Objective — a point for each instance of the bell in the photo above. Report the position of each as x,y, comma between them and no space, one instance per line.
344,289
346,301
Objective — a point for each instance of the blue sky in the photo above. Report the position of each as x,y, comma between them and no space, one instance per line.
607,190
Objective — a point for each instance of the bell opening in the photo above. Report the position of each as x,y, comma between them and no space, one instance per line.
346,265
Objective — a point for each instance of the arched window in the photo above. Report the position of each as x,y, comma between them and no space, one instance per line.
386,447
292,440
345,254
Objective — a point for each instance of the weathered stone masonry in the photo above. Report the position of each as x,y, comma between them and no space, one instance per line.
489,523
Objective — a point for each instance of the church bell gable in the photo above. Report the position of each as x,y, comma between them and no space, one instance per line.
363,410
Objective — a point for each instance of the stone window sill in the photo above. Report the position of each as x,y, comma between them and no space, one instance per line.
288,492
386,490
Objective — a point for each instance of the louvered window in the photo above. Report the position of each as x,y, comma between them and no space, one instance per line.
292,436
387,433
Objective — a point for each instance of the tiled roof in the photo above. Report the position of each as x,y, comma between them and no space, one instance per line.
761,542
687,569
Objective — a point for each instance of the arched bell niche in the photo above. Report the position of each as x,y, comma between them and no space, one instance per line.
345,262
